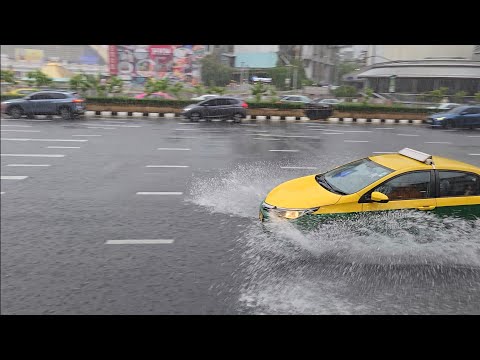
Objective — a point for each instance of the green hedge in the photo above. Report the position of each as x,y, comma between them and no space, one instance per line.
373,108
346,107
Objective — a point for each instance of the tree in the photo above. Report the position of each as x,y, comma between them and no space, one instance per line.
176,89
214,73
344,68
368,95
114,85
217,90
257,91
79,82
345,91
8,76
199,89
152,85
39,78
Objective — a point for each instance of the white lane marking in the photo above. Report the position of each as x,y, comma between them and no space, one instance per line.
18,125
140,241
179,149
298,167
437,142
13,177
332,133
26,131
186,129
24,139
102,125
28,165
182,137
159,193
285,150
474,154
185,123
25,120
357,131
63,147
167,166
384,152
257,131
266,139
3,192
248,125
407,135
473,136
87,135
102,128
34,155
286,136
356,141
384,128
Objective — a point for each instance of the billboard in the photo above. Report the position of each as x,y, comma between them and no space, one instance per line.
140,62
33,56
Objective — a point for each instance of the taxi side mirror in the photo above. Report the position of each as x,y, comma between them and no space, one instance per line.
379,197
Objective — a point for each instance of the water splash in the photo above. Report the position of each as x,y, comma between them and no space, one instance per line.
368,263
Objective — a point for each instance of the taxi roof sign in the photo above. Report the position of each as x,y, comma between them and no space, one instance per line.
417,155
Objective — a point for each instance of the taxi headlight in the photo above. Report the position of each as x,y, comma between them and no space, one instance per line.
293,214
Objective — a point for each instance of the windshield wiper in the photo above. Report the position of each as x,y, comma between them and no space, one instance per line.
323,182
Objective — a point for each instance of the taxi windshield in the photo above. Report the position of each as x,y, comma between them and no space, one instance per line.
352,177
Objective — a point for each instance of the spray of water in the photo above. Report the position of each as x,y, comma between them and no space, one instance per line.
290,270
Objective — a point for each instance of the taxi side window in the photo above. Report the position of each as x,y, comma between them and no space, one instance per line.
414,185
457,183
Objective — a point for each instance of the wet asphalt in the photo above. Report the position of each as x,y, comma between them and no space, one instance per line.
57,224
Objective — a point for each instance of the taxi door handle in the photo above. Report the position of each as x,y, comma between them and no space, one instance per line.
431,207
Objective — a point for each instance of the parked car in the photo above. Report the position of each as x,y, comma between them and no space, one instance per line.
67,104
155,95
445,106
301,99
462,116
21,92
220,107
328,101
315,111
408,179
204,97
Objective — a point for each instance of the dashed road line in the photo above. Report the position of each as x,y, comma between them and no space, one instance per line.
40,165
473,136
265,138
34,155
86,135
384,128
474,154
63,147
159,193
13,177
298,167
167,166
438,142
25,131
56,140
279,150
17,125
101,128
173,149
356,141
408,135
139,241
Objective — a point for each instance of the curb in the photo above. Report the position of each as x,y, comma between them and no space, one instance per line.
261,118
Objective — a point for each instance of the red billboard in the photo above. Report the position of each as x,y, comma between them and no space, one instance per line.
139,62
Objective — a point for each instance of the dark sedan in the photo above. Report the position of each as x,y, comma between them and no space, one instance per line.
67,104
220,107
459,117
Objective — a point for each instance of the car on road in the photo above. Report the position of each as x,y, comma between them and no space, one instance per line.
408,179
300,99
328,101
204,97
67,104
444,106
155,95
459,117
219,107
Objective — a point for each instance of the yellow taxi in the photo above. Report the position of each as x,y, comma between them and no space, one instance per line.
409,179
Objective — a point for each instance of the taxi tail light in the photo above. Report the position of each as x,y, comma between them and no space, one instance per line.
244,105
78,100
